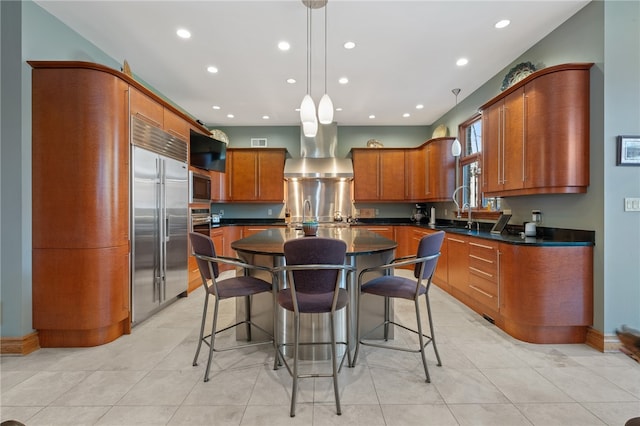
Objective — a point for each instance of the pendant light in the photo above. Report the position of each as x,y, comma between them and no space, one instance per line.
325,107
307,107
456,148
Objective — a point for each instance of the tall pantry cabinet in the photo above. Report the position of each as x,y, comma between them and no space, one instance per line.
81,196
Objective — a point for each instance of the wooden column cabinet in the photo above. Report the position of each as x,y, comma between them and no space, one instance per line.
536,134
80,187
80,190
256,175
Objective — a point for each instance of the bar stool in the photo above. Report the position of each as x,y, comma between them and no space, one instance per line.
391,286
315,268
239,286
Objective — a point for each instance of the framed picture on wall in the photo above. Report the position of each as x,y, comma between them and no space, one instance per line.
628,151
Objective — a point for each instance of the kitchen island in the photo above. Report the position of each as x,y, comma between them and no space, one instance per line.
364,249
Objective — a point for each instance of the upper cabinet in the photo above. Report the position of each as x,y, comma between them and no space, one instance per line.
536,134
255,175
145,108
379,174
415,175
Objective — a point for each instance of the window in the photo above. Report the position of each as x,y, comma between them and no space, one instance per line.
470,137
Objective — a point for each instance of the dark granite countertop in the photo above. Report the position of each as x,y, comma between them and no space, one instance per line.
511,235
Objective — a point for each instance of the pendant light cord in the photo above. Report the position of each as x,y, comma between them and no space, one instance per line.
325,46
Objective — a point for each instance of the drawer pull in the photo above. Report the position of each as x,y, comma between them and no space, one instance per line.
480,291
481,258
456,240
481,272
480,245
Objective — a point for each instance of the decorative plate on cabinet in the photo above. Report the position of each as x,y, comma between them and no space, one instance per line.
517,73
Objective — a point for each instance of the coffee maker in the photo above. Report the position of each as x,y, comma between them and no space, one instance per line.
419,213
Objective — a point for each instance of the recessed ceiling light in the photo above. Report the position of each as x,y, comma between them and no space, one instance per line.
349,45
372,116
406,114
419,106
462,61
212,69
230,116
338,109
215,107
265,117
291,80
283,45
343,80
502,23
183,33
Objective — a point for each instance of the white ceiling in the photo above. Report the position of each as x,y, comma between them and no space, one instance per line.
405,53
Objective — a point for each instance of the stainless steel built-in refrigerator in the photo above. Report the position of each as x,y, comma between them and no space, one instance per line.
158,219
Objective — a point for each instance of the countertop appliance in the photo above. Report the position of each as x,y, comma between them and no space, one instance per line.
159,188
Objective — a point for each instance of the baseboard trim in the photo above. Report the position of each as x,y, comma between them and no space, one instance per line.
602,342
19,345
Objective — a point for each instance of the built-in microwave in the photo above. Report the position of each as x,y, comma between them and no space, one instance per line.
199,188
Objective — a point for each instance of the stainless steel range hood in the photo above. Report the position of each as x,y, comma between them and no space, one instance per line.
318,157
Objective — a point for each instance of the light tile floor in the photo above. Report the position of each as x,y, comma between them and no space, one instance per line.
487,378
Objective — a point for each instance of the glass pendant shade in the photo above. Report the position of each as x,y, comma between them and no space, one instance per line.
325,110
456,148
307,109
310,128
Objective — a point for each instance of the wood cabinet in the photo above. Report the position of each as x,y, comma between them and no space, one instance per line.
546,293
539,294
80,192
145,108
441,169
379,174
153,112
484,274
418,175
385,231
536,134
457,263
80,222
256,175
503,144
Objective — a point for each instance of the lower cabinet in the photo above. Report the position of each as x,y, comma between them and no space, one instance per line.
538,294
484,283
457,264
385,231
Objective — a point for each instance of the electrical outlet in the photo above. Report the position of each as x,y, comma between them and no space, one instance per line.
377,212
632,204
446,212
221,212
269,212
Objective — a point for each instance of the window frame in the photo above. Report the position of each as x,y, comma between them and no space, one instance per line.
467,159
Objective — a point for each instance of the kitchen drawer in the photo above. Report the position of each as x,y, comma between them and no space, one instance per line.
484,292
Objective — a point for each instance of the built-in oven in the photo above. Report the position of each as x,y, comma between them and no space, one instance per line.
200,221
199,188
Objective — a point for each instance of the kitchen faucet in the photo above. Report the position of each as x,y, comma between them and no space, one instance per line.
467,205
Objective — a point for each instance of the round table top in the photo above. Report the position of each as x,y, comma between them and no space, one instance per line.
271,241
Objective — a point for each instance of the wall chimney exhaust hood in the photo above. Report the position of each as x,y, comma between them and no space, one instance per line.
318,157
